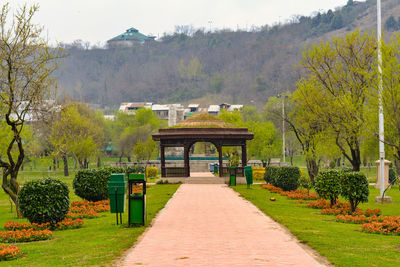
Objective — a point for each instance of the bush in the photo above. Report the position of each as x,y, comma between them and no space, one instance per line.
270,174
134,169
392,175
44,201
354,187
305,181
92,184
258,173
286,178
327,185
151,171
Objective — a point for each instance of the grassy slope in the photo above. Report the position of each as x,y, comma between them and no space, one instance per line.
343,244
99,242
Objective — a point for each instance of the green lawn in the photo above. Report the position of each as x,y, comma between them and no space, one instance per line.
98,243
342,244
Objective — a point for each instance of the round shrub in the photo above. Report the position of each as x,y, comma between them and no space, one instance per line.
92,184
44,201
327,185
354,187
286,178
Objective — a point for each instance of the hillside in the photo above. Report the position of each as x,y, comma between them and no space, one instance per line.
223,66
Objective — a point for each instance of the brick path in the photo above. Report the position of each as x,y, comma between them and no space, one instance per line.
209,225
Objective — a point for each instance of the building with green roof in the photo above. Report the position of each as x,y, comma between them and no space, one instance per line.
130,38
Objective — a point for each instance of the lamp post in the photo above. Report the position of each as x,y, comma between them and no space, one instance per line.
381,118
283,127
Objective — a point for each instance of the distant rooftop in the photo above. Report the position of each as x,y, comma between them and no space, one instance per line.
131,35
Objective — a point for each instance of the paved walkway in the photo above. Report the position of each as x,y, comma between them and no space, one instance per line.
210,225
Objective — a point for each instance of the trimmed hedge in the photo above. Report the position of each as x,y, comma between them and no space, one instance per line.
285,178
327,184
92,184
270,174
44,201
355,188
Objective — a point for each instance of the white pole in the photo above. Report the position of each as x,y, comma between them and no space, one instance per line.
381,119
283,128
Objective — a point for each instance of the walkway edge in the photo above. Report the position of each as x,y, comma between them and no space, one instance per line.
120,260
309,250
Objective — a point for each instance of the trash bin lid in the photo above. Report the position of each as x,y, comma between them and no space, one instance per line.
136,176
117,177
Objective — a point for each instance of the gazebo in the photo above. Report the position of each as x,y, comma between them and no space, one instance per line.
201,128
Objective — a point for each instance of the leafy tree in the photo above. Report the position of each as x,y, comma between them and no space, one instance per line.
144,150
327,185
337,22
337,76
130,129
77,134
391,24
390,98
26,65
354,187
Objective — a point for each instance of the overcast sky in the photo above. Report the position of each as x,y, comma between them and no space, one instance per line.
97,21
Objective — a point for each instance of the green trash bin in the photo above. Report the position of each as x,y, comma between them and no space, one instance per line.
117,187
232,176
137,201
248,172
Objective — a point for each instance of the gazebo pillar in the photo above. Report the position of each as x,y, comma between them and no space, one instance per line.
244,155
186,160
219,148
163,172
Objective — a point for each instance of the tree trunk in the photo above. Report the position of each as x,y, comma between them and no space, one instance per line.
120,158
98,162
85,163
11,188
65,159
312,168
54,164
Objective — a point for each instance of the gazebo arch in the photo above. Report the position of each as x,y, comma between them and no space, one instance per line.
200,128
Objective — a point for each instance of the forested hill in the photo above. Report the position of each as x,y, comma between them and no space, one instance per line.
224,66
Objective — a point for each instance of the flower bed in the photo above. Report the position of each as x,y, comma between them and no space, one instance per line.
86,214
87,209
359,219
25,235
296,194
63,225
390,225
272,188
302,194
319,204
9,252
98,206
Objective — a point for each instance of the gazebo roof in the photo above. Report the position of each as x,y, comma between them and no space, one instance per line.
203,127
203,120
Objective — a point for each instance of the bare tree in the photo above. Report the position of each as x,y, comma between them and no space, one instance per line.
26,65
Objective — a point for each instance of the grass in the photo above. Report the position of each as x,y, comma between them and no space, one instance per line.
342,244
98,243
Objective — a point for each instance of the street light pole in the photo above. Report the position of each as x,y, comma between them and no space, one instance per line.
283,128
381,118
